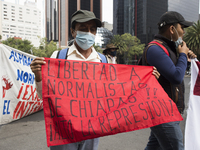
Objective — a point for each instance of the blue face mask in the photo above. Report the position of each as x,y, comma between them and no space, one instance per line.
85,39
179,41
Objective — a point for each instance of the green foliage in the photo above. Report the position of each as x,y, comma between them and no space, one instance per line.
0,37
192,38
98,49
129,47
45,49
23,45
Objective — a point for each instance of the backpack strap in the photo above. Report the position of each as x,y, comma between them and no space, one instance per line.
103,58
155,42
62,54
161,46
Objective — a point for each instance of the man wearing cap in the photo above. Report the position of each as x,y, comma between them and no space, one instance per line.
110,53
168,136
83,28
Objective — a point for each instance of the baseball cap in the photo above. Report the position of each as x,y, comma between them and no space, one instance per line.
84,16
171,17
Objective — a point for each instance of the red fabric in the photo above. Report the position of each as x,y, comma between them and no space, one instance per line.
197,84
84,100
157,43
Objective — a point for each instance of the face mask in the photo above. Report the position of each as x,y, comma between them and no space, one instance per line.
113,53
179,41
85,39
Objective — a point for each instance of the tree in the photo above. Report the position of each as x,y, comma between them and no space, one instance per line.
45,49
98,49
18,43
129,46
192,38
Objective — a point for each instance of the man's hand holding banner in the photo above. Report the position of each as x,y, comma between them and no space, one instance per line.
84,100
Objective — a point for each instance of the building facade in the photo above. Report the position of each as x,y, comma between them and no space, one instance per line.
103,37
123,16
189,9
58,16
23,21
144,15
147,16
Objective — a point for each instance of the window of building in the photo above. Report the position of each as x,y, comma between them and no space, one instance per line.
5,31
13,13
4,15
5,18
13,6
27,22
4,28
4,4
13,9
28,9
5,11
13,29
12,26
20,7
20,20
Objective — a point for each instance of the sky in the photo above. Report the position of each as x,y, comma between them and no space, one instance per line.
107,7
107,11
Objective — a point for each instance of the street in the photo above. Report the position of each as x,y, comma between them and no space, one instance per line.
29,134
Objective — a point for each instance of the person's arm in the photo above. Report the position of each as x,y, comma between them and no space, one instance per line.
158,58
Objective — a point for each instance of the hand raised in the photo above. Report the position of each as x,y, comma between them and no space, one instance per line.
36,66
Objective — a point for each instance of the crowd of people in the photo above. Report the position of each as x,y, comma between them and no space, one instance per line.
169,63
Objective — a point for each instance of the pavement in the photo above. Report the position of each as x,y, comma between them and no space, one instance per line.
28,133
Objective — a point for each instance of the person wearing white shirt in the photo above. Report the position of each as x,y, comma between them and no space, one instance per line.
83,29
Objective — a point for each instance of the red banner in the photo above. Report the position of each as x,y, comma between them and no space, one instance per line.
84,100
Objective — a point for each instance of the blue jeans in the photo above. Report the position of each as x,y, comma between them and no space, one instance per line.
90,144
167,136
